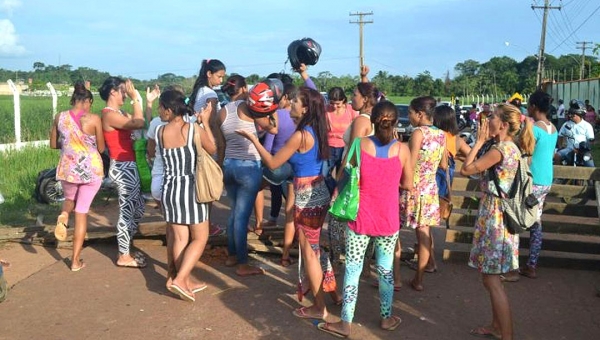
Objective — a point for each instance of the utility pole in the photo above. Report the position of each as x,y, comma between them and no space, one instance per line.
582,48
361,22
540,67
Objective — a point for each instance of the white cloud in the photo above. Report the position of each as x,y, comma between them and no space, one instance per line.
9,41
9,5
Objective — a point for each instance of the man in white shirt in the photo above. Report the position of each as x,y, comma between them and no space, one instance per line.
560,113
575,131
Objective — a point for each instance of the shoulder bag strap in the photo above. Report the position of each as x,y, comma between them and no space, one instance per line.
354,152
448,183
197,142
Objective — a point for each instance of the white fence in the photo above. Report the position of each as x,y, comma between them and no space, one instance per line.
19,144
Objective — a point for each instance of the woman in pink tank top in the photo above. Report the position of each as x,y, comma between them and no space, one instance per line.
384,166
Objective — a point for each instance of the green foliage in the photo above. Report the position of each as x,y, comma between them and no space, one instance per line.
19,171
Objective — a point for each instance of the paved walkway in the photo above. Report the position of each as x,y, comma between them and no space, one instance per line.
102,301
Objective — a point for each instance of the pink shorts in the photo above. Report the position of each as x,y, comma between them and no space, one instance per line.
82,194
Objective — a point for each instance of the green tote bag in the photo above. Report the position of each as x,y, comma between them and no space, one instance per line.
345,206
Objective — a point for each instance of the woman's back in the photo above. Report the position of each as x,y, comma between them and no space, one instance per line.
430,155
80,161
236,146
380,172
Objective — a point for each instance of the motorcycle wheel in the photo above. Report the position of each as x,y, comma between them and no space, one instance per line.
51,191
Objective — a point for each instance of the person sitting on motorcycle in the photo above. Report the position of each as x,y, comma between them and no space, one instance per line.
575,131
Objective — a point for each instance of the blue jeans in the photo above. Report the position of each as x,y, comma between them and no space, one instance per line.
242,180
334,161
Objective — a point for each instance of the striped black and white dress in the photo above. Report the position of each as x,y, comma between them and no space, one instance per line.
179,192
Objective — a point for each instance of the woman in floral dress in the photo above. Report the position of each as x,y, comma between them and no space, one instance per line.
495,251
419,208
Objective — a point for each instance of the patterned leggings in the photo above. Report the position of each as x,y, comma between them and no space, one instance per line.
337,241
131,203
535,232
356,246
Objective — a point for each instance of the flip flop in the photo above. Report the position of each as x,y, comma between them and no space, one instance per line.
216,230
199,289
396,287
182,294
395,325
484,332
414,265
259,271
418,288
73,269
301,313
60,231
323,326
135,263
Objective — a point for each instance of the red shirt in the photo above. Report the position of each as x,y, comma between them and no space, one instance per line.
119,144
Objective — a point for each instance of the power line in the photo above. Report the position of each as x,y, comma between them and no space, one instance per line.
578,27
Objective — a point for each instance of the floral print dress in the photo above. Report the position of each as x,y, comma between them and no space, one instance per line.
420,207
495,250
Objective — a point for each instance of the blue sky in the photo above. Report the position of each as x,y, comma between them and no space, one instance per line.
143,39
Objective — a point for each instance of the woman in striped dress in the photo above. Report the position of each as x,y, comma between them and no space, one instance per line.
187,218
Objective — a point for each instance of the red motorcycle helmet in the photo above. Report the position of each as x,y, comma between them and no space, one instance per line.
304,51
264,97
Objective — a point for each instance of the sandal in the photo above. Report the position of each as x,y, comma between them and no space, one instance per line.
60,231
414,266
397,322
324,326
135,263
286,262
301,313
484,332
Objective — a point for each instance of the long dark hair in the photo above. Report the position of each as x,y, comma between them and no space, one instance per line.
234,84
369,91
212,65
176,101
337,94
314,117
385,117
445,119
111,83
425,104
80,93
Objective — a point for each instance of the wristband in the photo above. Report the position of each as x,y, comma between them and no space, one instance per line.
133,101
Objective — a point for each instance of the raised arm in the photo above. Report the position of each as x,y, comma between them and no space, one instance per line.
489,159
282,156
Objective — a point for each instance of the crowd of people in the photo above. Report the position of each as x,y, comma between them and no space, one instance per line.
289,139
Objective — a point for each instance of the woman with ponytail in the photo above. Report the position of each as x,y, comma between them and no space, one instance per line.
187,219
495,251
78,135
384,166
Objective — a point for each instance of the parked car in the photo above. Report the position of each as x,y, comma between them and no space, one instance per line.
403,128
223,98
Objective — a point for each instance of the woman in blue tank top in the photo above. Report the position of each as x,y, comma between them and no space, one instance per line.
306,150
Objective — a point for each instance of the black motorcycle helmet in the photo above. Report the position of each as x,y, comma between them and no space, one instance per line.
577,107
304,51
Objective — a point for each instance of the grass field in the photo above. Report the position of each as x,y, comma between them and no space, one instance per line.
36,116
18,173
